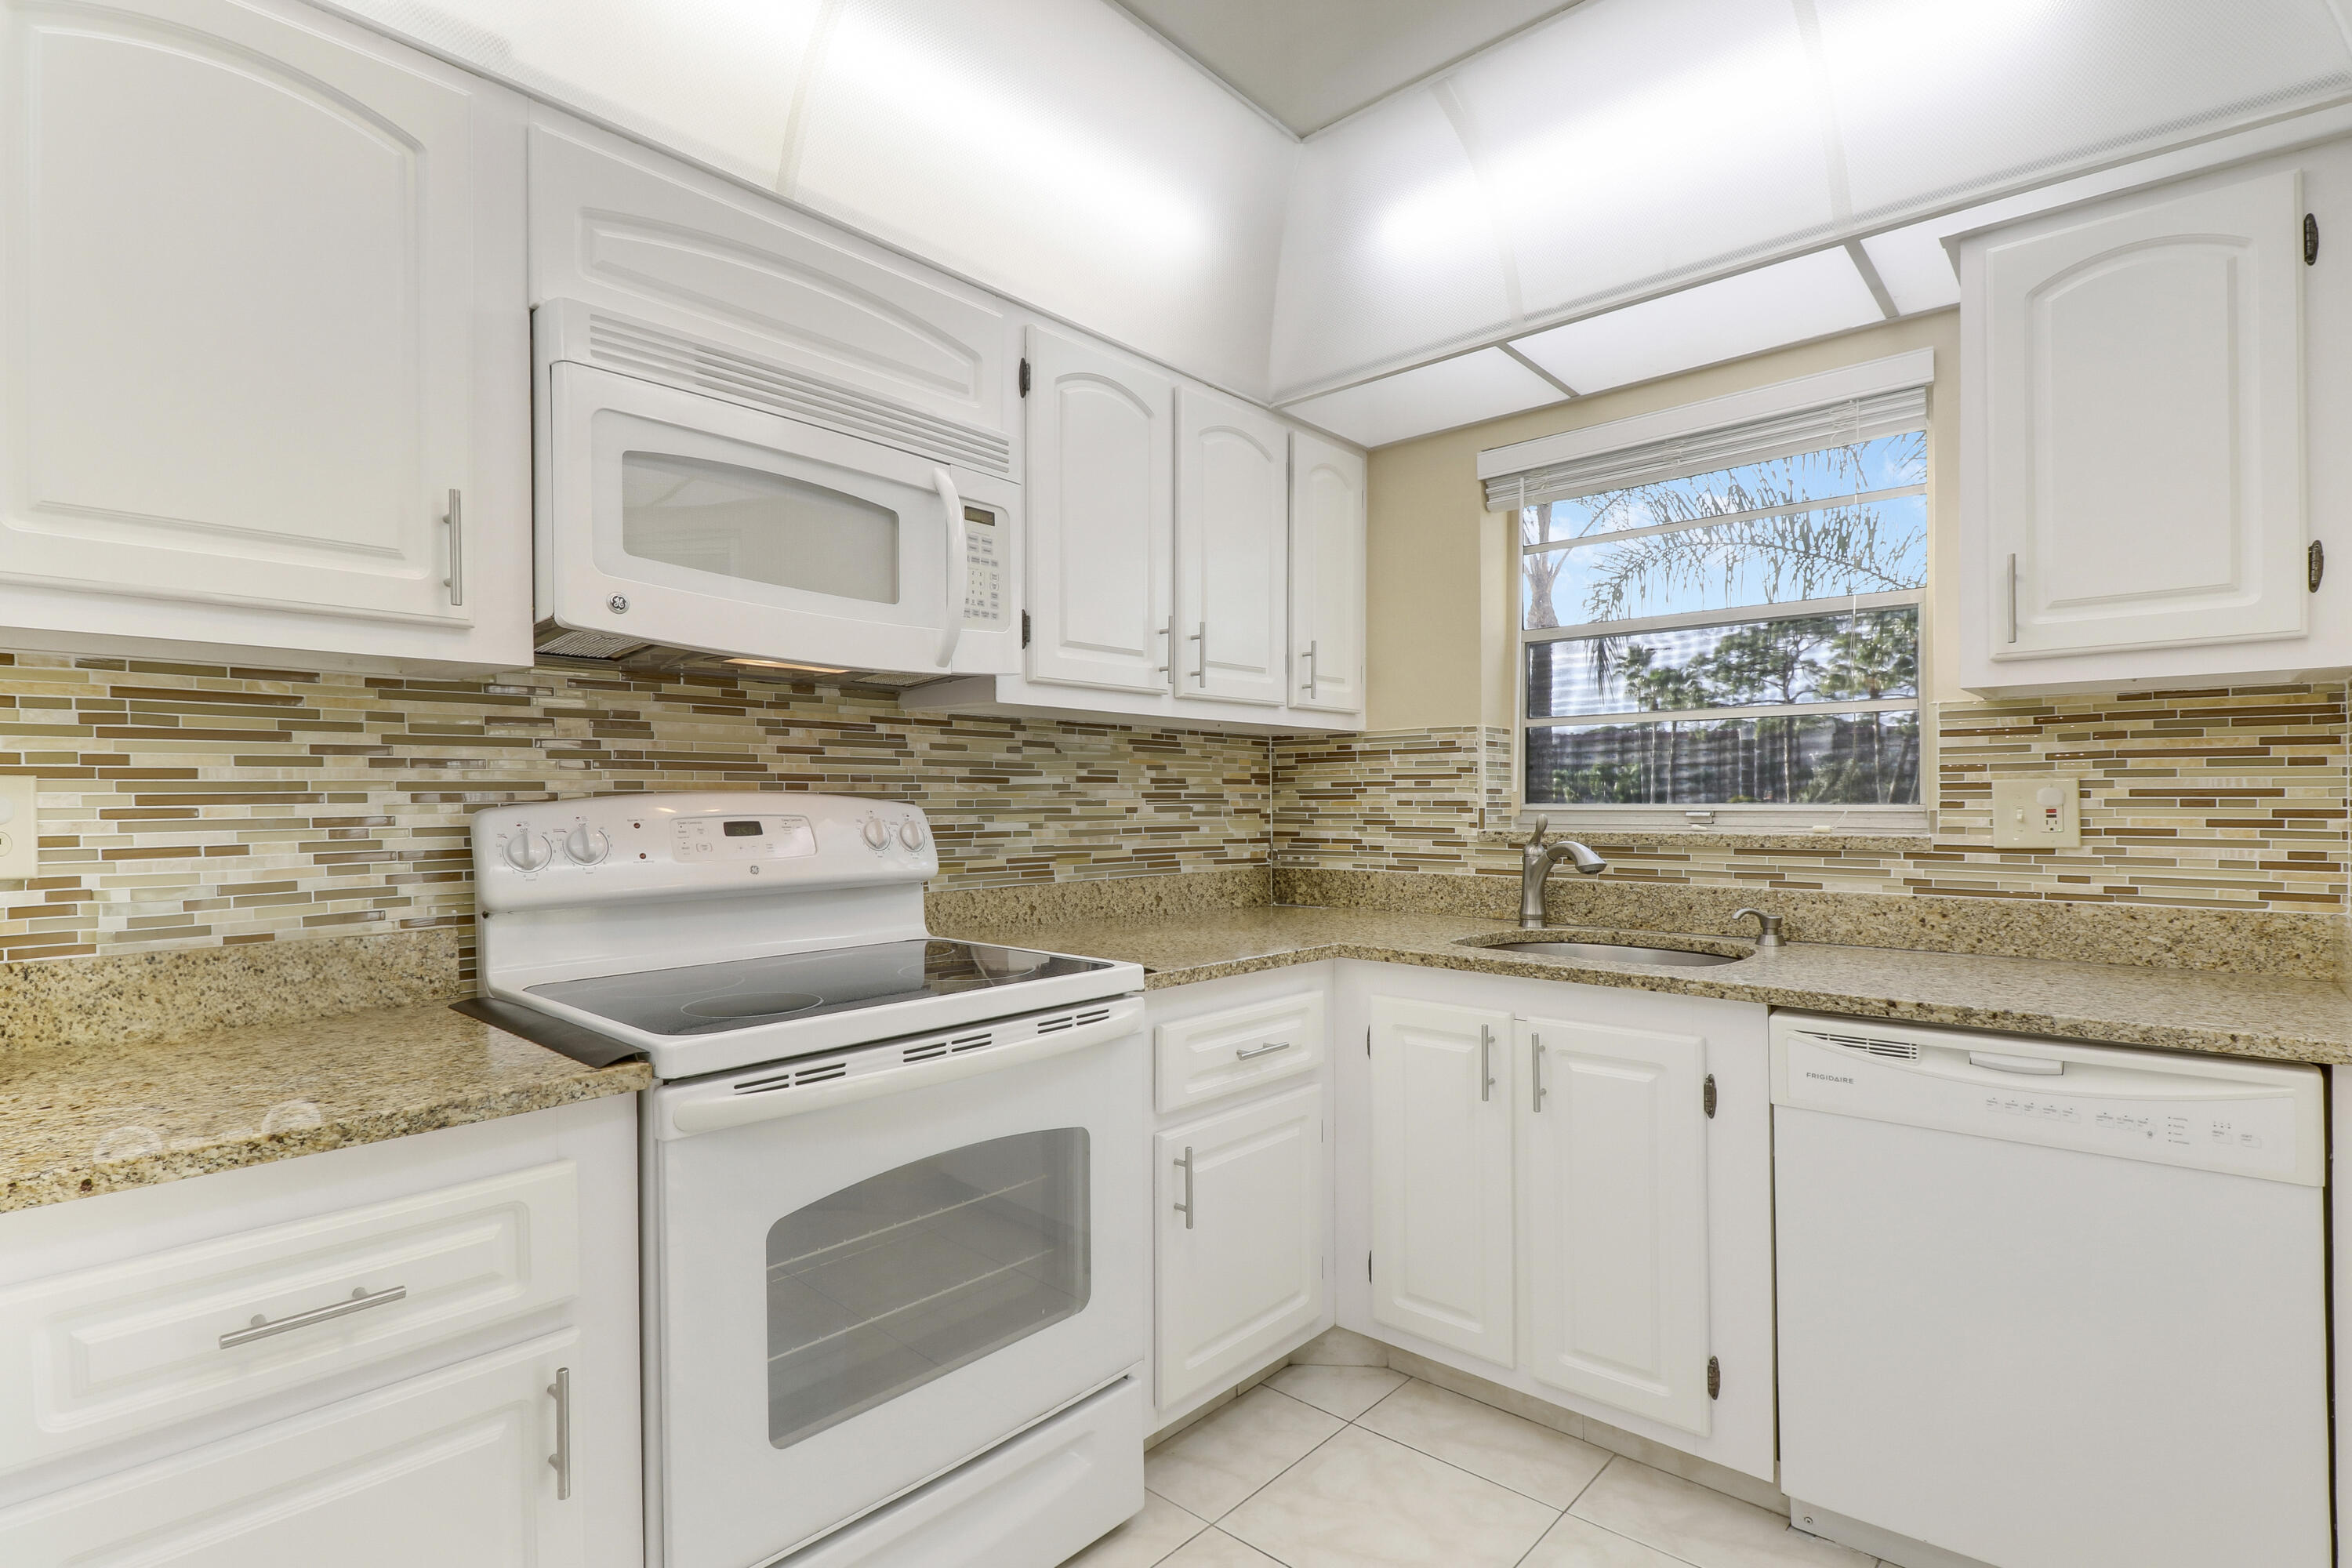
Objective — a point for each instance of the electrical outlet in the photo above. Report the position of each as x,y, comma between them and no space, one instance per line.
2037,813
20,826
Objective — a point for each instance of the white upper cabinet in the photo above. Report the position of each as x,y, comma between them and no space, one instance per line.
833,330
1326,575
1232,506
1441,1163
1101,509
266,348
2134,477
1613,1158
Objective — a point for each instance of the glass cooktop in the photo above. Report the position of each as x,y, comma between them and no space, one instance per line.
712,998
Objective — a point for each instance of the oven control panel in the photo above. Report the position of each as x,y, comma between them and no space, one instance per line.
613,849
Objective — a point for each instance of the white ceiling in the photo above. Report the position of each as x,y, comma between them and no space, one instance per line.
1310,62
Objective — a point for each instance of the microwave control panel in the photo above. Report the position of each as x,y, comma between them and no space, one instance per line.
983,560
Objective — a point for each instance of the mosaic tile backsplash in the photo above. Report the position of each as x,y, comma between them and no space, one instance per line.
190,805
2215,799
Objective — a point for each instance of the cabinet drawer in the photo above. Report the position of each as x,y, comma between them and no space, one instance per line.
101,1355
446,1469
1217,1054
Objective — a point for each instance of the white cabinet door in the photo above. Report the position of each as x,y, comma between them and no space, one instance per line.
1241,1240
1233,504
1442,1238
2139,446
1101,509
450,1468
1613,1160
831,329
250,291
1326,575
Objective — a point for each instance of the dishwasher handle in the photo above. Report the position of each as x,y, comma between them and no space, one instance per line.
2001,1061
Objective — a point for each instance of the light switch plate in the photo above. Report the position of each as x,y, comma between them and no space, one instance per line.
20,830
2044,813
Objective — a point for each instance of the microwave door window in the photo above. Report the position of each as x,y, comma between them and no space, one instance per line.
755,526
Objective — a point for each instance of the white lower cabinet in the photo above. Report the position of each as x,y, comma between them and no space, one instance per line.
451,1467
1441,1243
1564,1189
1240,1240
1612,1168
423,1351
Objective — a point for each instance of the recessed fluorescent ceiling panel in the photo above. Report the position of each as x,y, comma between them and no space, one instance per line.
1810,297
1310,62
1462,391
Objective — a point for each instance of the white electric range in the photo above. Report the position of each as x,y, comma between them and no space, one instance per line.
894,1187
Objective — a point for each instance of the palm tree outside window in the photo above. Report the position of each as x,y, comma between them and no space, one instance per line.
1745,636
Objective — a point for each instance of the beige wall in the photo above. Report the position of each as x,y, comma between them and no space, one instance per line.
1439,596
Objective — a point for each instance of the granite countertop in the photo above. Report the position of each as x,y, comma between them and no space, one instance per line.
2270,1016
82,1118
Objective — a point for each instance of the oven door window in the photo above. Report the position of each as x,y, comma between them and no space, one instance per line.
908,1275
757,526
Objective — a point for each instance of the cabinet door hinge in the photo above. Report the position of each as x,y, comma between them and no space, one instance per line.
2311,240
1024,628
2314,566
1706,1096
1714,1378
1368,1268
1024,378
1368,1042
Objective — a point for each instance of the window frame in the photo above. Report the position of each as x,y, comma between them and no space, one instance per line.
1732,816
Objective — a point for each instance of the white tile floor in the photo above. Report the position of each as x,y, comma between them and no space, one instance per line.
1360,1467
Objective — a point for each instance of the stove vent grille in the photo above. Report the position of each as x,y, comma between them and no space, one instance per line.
1868,1044
816,1072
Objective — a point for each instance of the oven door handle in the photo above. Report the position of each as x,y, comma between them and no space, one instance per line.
958,566
724,1108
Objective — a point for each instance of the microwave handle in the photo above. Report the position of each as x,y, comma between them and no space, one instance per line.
959,571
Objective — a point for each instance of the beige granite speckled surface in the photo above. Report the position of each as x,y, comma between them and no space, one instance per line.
2284,942
110,999
1101,898
81,1119
2280,1017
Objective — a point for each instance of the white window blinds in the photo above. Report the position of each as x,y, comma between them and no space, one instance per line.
1850,423
1857,403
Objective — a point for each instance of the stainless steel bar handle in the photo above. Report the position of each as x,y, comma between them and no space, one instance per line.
2012,596
1535,1056
1168,630
1201,674
1185,1208
455,581
1314,669
261,1327
1243,1053
1486,1063
560,1460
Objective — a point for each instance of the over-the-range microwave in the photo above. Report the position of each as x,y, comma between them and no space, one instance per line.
696,501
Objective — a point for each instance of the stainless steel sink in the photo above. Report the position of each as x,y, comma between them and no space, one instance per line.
1618,953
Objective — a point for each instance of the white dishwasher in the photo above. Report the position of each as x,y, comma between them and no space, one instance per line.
2044,1305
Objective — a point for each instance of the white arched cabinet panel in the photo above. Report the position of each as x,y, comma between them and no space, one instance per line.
1326,575
1101,509
1233,508
1613,1156
263,292
2137,470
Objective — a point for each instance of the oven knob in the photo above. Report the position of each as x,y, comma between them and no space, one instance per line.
911,833
878,833
585,846
527,852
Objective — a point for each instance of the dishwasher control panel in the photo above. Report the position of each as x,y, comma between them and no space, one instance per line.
2208,1113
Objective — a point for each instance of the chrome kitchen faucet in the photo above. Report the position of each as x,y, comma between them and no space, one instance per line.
1535,860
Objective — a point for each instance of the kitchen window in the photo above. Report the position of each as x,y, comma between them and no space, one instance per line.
1726,622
